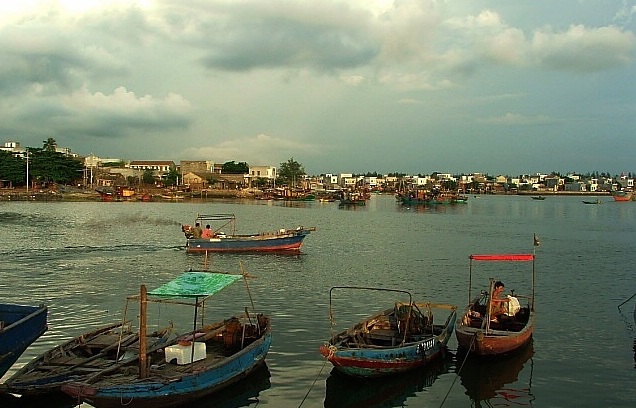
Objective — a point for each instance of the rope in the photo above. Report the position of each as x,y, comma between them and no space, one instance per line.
313,383
619,306
472,343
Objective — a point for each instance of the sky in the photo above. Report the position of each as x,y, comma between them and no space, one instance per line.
340,86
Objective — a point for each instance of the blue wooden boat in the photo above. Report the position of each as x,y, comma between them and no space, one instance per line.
396,340
19,327
75,359
209,358
221,241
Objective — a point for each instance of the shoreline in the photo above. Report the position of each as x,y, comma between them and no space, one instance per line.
51,195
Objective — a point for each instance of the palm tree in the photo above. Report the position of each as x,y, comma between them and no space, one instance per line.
50,145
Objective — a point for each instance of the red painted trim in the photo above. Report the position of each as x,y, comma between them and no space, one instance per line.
503,257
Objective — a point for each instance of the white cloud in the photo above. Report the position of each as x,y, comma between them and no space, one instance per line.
257,150
583,49
518,119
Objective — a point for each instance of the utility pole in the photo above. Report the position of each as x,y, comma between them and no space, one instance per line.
27,170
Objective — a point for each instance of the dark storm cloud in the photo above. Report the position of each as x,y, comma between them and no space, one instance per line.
286,43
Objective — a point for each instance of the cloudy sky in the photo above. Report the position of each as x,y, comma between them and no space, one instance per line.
412,86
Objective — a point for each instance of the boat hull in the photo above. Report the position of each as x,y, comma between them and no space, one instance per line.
189,387
21,326
378,363
369,359
31,381
248,243
478,341
622,196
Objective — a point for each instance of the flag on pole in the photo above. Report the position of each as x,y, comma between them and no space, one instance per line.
536,240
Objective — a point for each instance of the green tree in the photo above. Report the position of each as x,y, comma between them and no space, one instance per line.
132,181
119,164
172,178
49,145
51,166
12,168
260,182
291,172
449,185
212,180
235,168
148,177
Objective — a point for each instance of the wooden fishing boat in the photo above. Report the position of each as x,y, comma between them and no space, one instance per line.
393,341
207,359
479,333
622,195
19,327
430,197
76,359
353,198
220,241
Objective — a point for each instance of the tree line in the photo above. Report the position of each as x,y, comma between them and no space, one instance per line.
44,165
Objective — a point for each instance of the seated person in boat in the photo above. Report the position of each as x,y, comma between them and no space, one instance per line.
207,232
499,303
197,231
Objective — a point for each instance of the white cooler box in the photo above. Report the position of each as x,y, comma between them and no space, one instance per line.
183,354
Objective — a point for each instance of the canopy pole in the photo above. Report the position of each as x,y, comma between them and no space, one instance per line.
247,285
533,280
491,290
143,305
194,328
470,280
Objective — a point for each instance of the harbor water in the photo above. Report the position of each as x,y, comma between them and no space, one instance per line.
83,258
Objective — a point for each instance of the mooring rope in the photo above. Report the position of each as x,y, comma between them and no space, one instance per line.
634,295
472,343
313,383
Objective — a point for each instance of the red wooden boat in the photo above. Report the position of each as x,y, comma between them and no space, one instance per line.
482,335
622,195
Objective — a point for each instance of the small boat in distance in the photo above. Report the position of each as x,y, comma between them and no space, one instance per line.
479,332
597,201
430,197
622,195
19,327
393,341
539,197
220,241
353,198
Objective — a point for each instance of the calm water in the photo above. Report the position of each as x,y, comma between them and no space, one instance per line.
82,259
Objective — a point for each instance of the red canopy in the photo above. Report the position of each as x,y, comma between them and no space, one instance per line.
503,257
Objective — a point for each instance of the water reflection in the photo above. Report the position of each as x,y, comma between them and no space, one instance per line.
428,208
50,401
393,391
495,382
351,207
243,393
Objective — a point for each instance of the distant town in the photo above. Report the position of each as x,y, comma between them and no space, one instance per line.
201,177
